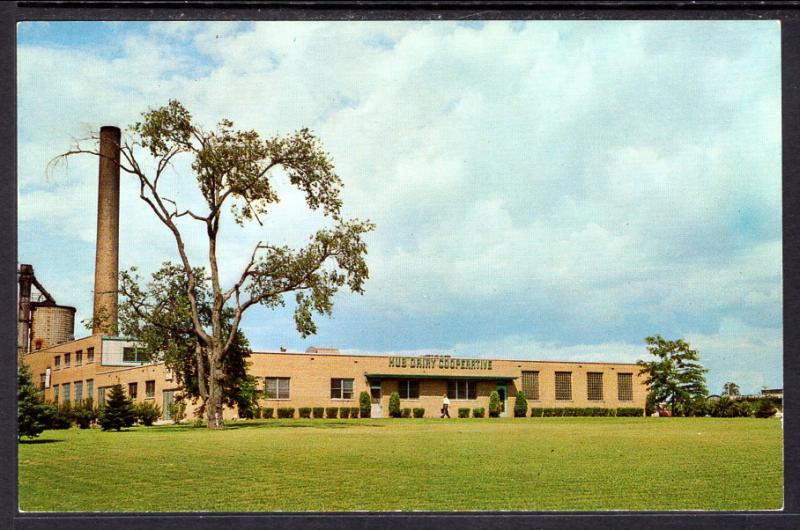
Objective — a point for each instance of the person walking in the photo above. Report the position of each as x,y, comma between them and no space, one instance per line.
445,406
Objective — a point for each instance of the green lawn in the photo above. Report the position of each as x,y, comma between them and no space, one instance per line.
411,464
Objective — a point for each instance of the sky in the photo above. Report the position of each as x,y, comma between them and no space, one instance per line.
552,190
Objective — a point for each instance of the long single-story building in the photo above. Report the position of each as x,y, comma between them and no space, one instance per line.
324,377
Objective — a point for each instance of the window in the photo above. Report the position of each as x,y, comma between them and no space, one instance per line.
66,360
42,381
89,388
78,391
564,386
530,385
341,389
133,389
408,388
462,390
625,387
57,362
66,389
78,358
89,355
276,388
38,343
132,355
594,386
149,389
55,394
101,396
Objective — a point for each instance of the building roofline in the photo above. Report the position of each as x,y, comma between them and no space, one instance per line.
386,356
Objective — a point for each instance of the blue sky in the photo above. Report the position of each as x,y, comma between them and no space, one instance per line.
542,190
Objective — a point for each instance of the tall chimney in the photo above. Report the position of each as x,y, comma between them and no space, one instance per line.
106,265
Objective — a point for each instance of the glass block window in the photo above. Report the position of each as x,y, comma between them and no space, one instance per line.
276,388
408,388
625,387
78,391
564,386
341,389
459,389
594,386
530,385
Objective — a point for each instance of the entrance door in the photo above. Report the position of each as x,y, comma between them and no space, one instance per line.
376,411
168,399
502,390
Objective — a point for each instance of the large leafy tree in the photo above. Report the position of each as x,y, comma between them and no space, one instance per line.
674,373
158,314
234,169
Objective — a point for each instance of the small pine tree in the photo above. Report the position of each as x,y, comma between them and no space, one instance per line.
118,412
494,404
394,405
365,404
30,407
521,405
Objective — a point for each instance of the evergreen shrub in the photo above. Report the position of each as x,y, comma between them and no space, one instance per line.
629,412
494,404
305,412
344,412
463,413
394,405
406,413
319,412
478,412
118,412
419,412
286,412
520,405
267,413
536,412
331,412
365,404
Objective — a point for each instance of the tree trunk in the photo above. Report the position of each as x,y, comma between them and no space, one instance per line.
214,406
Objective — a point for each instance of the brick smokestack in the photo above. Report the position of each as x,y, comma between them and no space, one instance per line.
106,265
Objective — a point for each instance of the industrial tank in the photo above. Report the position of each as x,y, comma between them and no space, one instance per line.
51,325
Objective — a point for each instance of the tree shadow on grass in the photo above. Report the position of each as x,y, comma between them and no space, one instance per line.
35,441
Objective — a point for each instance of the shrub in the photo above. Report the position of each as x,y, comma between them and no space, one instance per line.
61,416
765,409
463,413
520,405
536,412
552,412
199,422
177,410
267,413
31,411
365,404
305,412
147,412
286,412
598,411
84,414
344,412
630,412
332,412
494,404
419,412
743,409
394,405
319,412
118,412
478,412
406,413
354,412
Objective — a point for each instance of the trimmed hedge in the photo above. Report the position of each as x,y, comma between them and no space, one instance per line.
305,412
354,412
319,412
286,412
405,413
365,404
332,412
267,413
419,412
463,413
520,405
551,412
630,412
344,412
478,412
536,412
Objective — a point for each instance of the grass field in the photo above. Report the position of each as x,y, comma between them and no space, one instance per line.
411,464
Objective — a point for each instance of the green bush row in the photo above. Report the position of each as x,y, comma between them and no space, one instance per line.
550,412
310,412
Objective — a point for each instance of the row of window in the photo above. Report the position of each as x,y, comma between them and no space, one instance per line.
563,388
149,389
78,359
278,388
64,391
